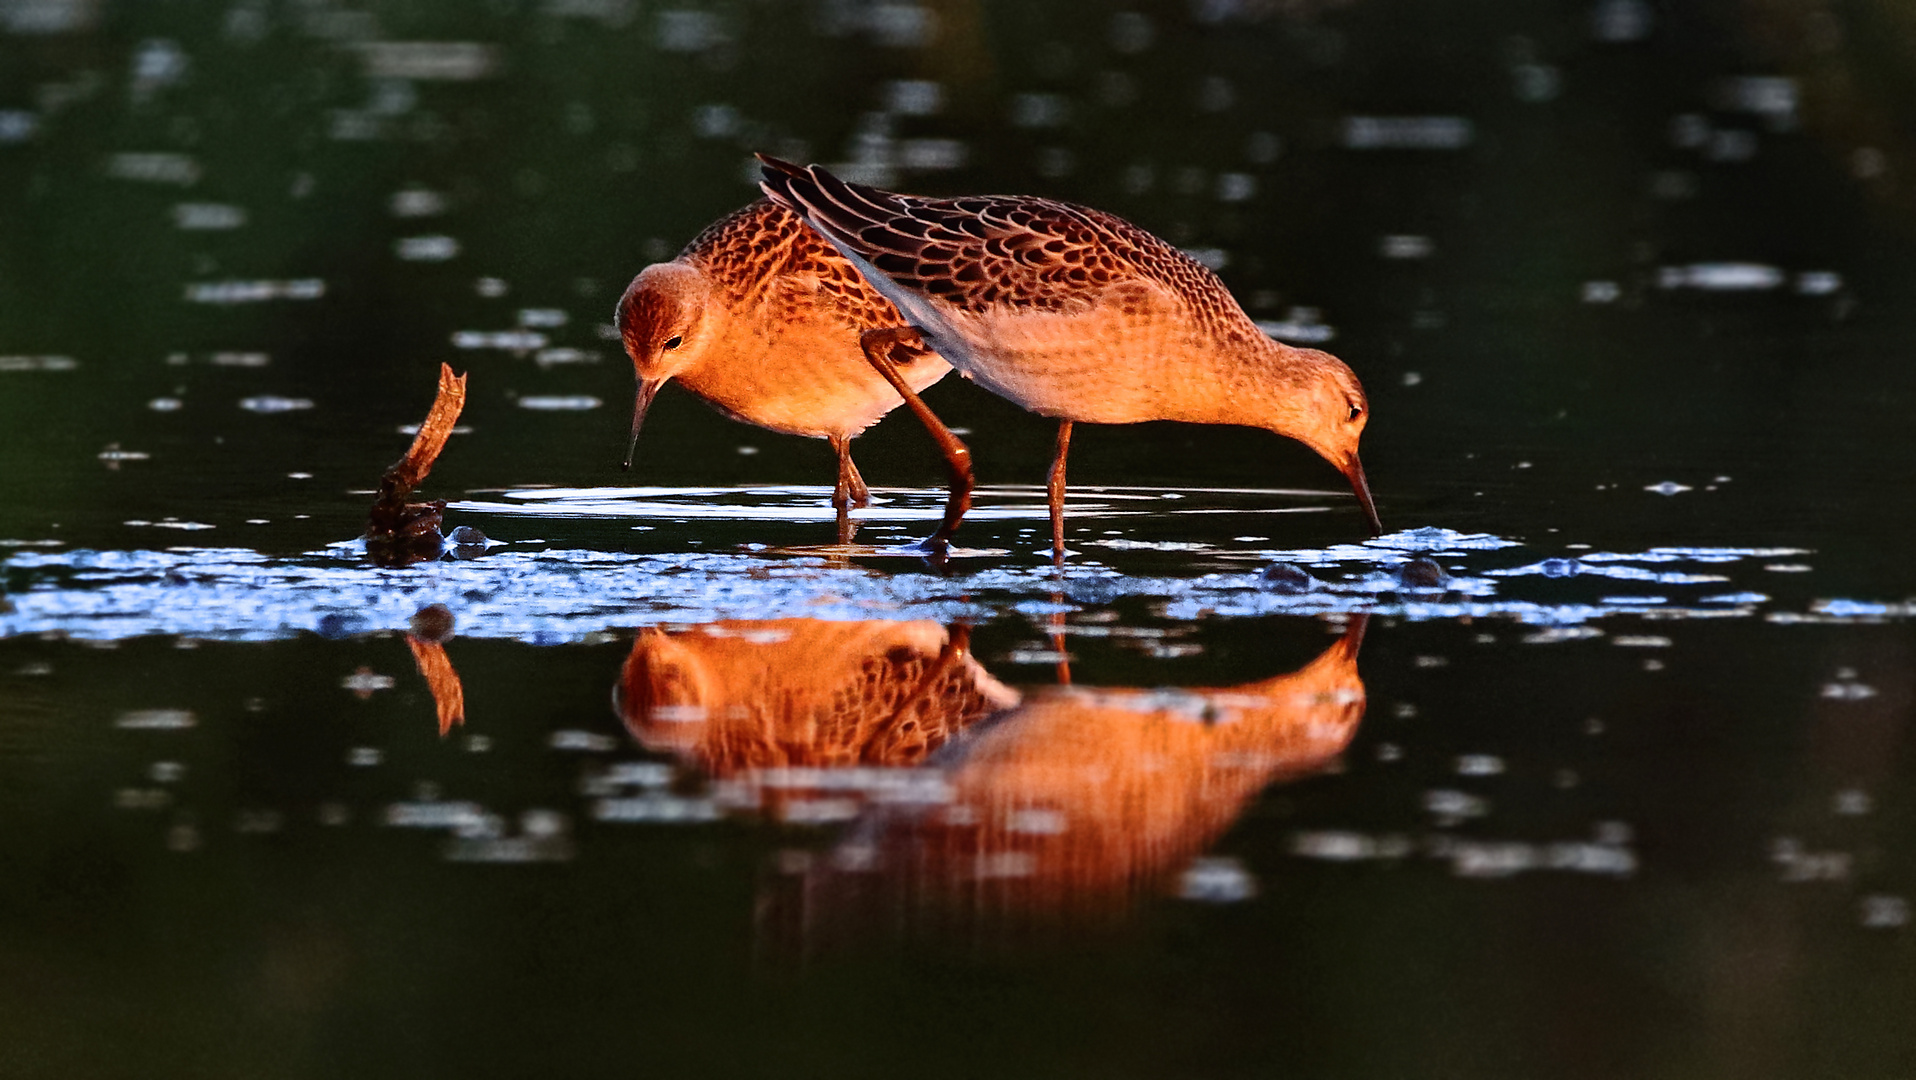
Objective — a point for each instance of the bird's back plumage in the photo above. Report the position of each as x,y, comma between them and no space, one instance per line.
764,257
1017,251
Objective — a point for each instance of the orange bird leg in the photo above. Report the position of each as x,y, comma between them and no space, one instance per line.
878,346
1054,490
850,491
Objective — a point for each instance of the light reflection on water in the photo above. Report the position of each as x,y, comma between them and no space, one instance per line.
781,502
554,594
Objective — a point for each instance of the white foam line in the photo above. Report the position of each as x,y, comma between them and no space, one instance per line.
799,513
1125,491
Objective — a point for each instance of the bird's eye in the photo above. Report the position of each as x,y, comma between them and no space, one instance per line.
674,341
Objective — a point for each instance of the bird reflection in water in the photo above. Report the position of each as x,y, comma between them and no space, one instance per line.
733,697
1068,804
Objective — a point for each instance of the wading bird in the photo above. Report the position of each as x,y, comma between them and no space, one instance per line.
761,319
1074,314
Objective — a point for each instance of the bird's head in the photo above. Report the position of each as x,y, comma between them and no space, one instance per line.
1326,410
665,319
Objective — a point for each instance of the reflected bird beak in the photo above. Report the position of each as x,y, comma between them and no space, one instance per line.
1355,473
1353,638
648,389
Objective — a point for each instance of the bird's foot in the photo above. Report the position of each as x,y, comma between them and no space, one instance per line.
934,549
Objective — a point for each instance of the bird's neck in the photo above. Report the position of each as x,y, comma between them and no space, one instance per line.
1259,383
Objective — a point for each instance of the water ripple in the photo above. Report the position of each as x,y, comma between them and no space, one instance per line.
560,595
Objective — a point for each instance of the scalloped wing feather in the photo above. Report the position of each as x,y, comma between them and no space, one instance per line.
978,253
765,255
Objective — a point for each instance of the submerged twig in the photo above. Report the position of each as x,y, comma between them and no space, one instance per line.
399,532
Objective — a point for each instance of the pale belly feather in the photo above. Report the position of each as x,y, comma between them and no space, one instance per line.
1096,366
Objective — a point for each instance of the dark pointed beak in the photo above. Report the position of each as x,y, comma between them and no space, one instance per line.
1355,473
648,389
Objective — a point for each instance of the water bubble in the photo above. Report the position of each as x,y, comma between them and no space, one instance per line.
364,682
416,202
17,126
1848,691
1407,132
437,248
1479,765
1406,247
1263,147
1040,110
156,720
1217,880
208,217
914,97
1130,32
1851,802
1883,912
442,61
183,838
1620,21
267,404
559,402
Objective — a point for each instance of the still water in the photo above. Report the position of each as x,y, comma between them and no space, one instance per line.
1596,764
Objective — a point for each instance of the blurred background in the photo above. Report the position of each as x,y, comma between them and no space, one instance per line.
1631,283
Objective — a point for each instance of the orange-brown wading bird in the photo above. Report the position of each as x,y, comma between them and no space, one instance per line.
1071,313
761,319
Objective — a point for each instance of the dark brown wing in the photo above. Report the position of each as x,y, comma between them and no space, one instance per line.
981,251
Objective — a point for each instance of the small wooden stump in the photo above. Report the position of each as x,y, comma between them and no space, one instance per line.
399,533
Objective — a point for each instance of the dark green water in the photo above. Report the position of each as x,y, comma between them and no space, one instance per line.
1627,791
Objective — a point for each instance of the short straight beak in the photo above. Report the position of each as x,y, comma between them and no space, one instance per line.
648,389
1355,473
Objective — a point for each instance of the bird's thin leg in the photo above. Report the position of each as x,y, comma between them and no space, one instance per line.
850,490
1054,491
861,495
878,346
842,492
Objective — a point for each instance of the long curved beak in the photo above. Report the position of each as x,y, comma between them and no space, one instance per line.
1355,473
648,389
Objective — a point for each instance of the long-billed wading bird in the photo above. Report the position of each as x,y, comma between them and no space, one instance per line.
1072,313
761,319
